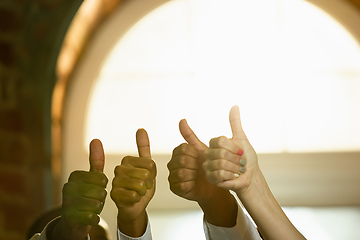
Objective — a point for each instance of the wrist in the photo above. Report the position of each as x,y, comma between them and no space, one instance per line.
220,209
258,199
216,197
135,227
258,189
59,229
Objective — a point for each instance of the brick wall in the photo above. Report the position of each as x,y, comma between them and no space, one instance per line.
31,34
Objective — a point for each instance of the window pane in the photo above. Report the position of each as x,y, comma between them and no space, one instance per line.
296,79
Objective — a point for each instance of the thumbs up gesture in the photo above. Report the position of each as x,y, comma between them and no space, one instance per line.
186,176
231,163
188,180
83,197
133,187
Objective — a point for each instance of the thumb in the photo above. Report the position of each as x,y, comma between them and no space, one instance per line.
143,143
190,136
235,123
97,156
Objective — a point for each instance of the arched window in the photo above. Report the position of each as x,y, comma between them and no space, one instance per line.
291,67
295,79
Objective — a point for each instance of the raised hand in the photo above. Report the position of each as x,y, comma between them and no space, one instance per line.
230,163
186,176
187,180
227,169
83,197
133,187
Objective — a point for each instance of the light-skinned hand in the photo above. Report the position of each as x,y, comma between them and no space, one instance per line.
222,162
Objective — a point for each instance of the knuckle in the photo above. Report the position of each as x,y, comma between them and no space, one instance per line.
146,175
152,165
117,169
222,164
180,173
103,194
142,191
183,147
74,175
141,185
222,174
168,165
113,195
97,206
169,180
212,141
103,179
182,161
182,187
222,153
67,188
134,196
222,140
206,166
114,183
92,218
126,159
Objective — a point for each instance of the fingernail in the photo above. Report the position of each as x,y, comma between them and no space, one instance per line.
240,152
242,162
241,169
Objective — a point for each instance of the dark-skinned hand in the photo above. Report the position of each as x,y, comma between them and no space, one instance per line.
133,187
83,198
187,180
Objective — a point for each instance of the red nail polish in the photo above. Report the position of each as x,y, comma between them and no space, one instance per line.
240,152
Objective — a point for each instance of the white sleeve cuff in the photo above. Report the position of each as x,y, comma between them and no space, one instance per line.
42,235
243,230
146,236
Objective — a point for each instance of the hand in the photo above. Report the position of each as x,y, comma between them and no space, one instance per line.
222,161
187,180
133,187
186,176
84,196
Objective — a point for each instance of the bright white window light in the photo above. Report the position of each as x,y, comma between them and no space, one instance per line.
295,78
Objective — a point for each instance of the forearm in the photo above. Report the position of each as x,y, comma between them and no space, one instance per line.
266,211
